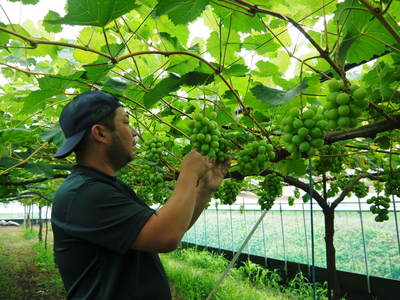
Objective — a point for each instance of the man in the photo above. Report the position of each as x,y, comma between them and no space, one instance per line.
106,239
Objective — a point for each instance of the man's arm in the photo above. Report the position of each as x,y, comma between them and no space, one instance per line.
208,184
164,230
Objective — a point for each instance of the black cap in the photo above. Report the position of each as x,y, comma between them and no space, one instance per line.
80,114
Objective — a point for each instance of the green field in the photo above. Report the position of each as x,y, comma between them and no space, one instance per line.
227,230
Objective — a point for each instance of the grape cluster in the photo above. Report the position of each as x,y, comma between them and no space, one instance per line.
153,150
331,159
379,207
205,136
360,189
343,109
255,157
305,133
270,189
228,191
392,184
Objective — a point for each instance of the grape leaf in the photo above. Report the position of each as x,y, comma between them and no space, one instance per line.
54,135
94,12
48,25
181,12
236,70
277,97
172,83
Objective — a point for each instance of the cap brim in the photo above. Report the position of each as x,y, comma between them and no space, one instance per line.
69,144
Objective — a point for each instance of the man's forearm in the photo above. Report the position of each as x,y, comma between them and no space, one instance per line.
203,196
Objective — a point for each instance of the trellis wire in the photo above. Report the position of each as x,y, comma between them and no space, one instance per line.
283,239
306,239
265,246
312,229
245,226
230,214
205,229
365,247
219,240
234,259
395,221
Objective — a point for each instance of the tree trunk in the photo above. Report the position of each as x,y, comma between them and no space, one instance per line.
40,222
47,228
333,280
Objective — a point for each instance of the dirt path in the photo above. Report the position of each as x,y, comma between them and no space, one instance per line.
20,276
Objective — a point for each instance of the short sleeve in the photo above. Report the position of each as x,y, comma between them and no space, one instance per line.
104,216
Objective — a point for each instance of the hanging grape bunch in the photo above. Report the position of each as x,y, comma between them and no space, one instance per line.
331,159
379,207
255,157
392,184
205,136
153,150
228,191
343,109
360,189
305,133
270,189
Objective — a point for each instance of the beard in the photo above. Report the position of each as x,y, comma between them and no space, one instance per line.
117,155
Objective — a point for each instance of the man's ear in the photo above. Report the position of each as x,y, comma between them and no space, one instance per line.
101,134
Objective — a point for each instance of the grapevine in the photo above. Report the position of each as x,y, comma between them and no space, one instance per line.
342,109
255,157
270,189
305,133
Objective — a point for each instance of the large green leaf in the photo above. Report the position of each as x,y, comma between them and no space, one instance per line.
48,23
94,12
364,37
277,97
54,135
181,12
172,83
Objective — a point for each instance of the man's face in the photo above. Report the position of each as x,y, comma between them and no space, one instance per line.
121,150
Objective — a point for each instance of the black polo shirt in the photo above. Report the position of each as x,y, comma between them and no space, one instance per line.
95,219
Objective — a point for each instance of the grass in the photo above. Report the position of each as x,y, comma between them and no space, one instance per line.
195,273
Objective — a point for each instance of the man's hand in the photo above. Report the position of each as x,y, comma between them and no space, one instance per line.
215,175
194,163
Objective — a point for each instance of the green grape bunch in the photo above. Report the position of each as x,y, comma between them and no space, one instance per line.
342,109
379,207
270,189
227,192
153,150
205,136
255,157
392,184
304,133
331,159
360,189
